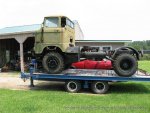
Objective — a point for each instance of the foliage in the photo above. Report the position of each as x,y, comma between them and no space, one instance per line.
144,65
141,45
145,57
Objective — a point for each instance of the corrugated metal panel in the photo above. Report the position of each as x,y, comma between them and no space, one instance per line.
20,29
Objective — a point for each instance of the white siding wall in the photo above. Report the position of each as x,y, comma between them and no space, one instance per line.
78,32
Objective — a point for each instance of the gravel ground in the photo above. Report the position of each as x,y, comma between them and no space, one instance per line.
13,82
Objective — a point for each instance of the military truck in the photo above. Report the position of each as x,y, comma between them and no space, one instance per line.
55,47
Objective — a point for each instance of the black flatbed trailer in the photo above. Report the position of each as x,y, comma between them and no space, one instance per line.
75,79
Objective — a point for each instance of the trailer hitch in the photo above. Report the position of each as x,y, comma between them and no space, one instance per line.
33,66
25,76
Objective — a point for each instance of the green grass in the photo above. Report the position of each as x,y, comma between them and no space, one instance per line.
144,65
121,98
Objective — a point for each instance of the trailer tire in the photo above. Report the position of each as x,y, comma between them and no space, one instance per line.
73,86
53,63
125,65
99,87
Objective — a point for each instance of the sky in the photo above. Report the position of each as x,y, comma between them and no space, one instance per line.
98,19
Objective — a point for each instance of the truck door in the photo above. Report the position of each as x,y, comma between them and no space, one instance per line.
52,31
69,33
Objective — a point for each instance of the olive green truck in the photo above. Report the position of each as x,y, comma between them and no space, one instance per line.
55,50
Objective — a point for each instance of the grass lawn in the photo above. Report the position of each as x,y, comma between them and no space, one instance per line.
121,98
144,65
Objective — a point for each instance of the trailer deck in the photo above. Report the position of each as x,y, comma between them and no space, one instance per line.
83,74
85,77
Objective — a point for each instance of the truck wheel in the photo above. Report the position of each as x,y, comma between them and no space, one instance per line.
73,86
99,87
125,65
53,63
2,59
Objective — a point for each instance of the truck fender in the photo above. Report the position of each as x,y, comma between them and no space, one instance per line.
127,48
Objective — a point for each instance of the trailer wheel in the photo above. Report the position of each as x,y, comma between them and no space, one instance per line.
99,87
73,86
53,63
125,65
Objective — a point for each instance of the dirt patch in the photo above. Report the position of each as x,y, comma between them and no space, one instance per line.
12,80
16,83
9,74
13,83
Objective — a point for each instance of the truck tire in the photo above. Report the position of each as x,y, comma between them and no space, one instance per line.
99,87
125,65
73,86
2,58
53,63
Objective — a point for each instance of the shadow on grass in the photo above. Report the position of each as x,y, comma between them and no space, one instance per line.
132,88
51,86
125,87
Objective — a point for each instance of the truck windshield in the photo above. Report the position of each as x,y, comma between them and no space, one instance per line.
51,22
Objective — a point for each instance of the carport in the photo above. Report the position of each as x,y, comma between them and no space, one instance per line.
20,34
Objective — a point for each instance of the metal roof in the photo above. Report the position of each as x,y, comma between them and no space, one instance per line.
19,29
101,41
34,27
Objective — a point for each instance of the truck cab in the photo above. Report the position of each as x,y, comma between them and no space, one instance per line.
57,32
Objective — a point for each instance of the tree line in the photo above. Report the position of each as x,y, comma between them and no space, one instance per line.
141,45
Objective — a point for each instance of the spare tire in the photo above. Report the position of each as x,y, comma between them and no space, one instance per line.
125,65
2,58
53,63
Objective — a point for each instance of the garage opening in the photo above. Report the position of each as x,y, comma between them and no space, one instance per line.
9,50
10,53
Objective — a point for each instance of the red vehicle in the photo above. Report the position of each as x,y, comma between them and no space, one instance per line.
91,64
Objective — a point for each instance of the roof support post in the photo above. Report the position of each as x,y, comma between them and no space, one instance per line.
21,41
21,57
